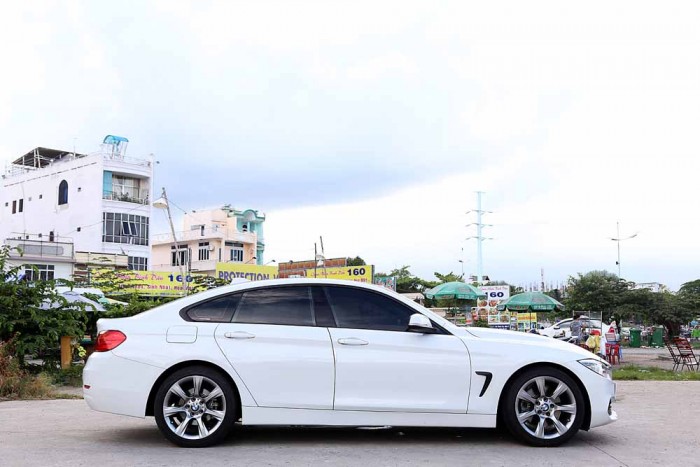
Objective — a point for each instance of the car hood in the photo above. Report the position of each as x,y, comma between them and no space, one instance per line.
523,338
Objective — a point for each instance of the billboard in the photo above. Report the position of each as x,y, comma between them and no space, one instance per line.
486,308
251,272
350,273
151,283
386,282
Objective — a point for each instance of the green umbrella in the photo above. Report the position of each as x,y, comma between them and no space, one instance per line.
530,301
454,290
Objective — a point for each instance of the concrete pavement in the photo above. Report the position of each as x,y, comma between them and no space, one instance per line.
659,424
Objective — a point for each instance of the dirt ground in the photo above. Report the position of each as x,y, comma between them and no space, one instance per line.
647,356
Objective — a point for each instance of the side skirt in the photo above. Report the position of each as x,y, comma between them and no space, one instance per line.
276,416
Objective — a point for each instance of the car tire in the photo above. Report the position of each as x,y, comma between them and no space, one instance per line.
543,407
195,407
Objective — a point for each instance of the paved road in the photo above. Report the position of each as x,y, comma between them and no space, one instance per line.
659,424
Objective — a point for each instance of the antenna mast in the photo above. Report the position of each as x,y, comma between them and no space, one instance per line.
479,237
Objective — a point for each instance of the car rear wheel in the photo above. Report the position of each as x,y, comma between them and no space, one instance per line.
195,407
544,407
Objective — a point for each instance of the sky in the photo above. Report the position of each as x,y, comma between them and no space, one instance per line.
373,124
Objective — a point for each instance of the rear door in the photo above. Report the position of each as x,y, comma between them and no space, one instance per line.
274,345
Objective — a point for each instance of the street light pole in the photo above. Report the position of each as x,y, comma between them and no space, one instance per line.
162,203
619,239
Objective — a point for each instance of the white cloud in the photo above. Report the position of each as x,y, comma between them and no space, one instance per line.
570,116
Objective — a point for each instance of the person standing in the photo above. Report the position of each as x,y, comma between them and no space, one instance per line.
576,328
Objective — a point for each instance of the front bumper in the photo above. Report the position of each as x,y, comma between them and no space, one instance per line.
601,394
116,385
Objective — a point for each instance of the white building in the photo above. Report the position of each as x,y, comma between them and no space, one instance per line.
209,237
67,210
653,286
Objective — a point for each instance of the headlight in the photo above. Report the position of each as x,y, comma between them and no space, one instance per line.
598,366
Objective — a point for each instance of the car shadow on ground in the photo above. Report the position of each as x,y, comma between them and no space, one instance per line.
371,435
293,436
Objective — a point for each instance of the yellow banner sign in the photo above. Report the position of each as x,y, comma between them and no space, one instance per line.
251,272
527,317
153,283
350,273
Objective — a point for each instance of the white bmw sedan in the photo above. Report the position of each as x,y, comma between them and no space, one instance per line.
336,353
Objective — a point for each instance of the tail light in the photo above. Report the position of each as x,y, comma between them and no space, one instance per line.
108,340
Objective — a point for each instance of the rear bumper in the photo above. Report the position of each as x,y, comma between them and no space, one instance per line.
117,385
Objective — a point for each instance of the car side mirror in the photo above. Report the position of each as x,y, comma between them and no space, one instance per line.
557,327
420,323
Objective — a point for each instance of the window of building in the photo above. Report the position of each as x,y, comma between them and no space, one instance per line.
363,309
218,310
124,228
289,306
199,227
63,192
203,251
137,263
126,188
39,272
14,206
179,255
20,207
129,228
236,254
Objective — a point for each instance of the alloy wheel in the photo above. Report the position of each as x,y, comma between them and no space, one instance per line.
545,407
194,407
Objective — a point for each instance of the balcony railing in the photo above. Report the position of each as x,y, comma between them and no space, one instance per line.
132,196
127,160
197,234
40,249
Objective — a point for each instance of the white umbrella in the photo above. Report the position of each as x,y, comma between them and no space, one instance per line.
73,297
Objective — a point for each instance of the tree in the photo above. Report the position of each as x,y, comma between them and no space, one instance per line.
24,316
405,281
596,291
356,261
449,277
689,293
670,310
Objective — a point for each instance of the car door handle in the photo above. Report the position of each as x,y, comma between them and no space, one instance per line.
352,341
239,335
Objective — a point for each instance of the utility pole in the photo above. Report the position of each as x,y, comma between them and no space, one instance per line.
542,280
163,203
619,239
479,237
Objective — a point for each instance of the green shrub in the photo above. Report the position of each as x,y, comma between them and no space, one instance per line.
71,376
16,383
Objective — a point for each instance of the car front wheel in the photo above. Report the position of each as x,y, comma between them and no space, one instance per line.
195,407
544,407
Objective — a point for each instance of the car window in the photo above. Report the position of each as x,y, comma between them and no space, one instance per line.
363,309
322,309
289,306
565,325
218,310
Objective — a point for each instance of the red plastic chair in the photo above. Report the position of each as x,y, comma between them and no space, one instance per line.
612,348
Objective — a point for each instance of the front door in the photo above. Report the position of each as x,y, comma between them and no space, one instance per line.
382,366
